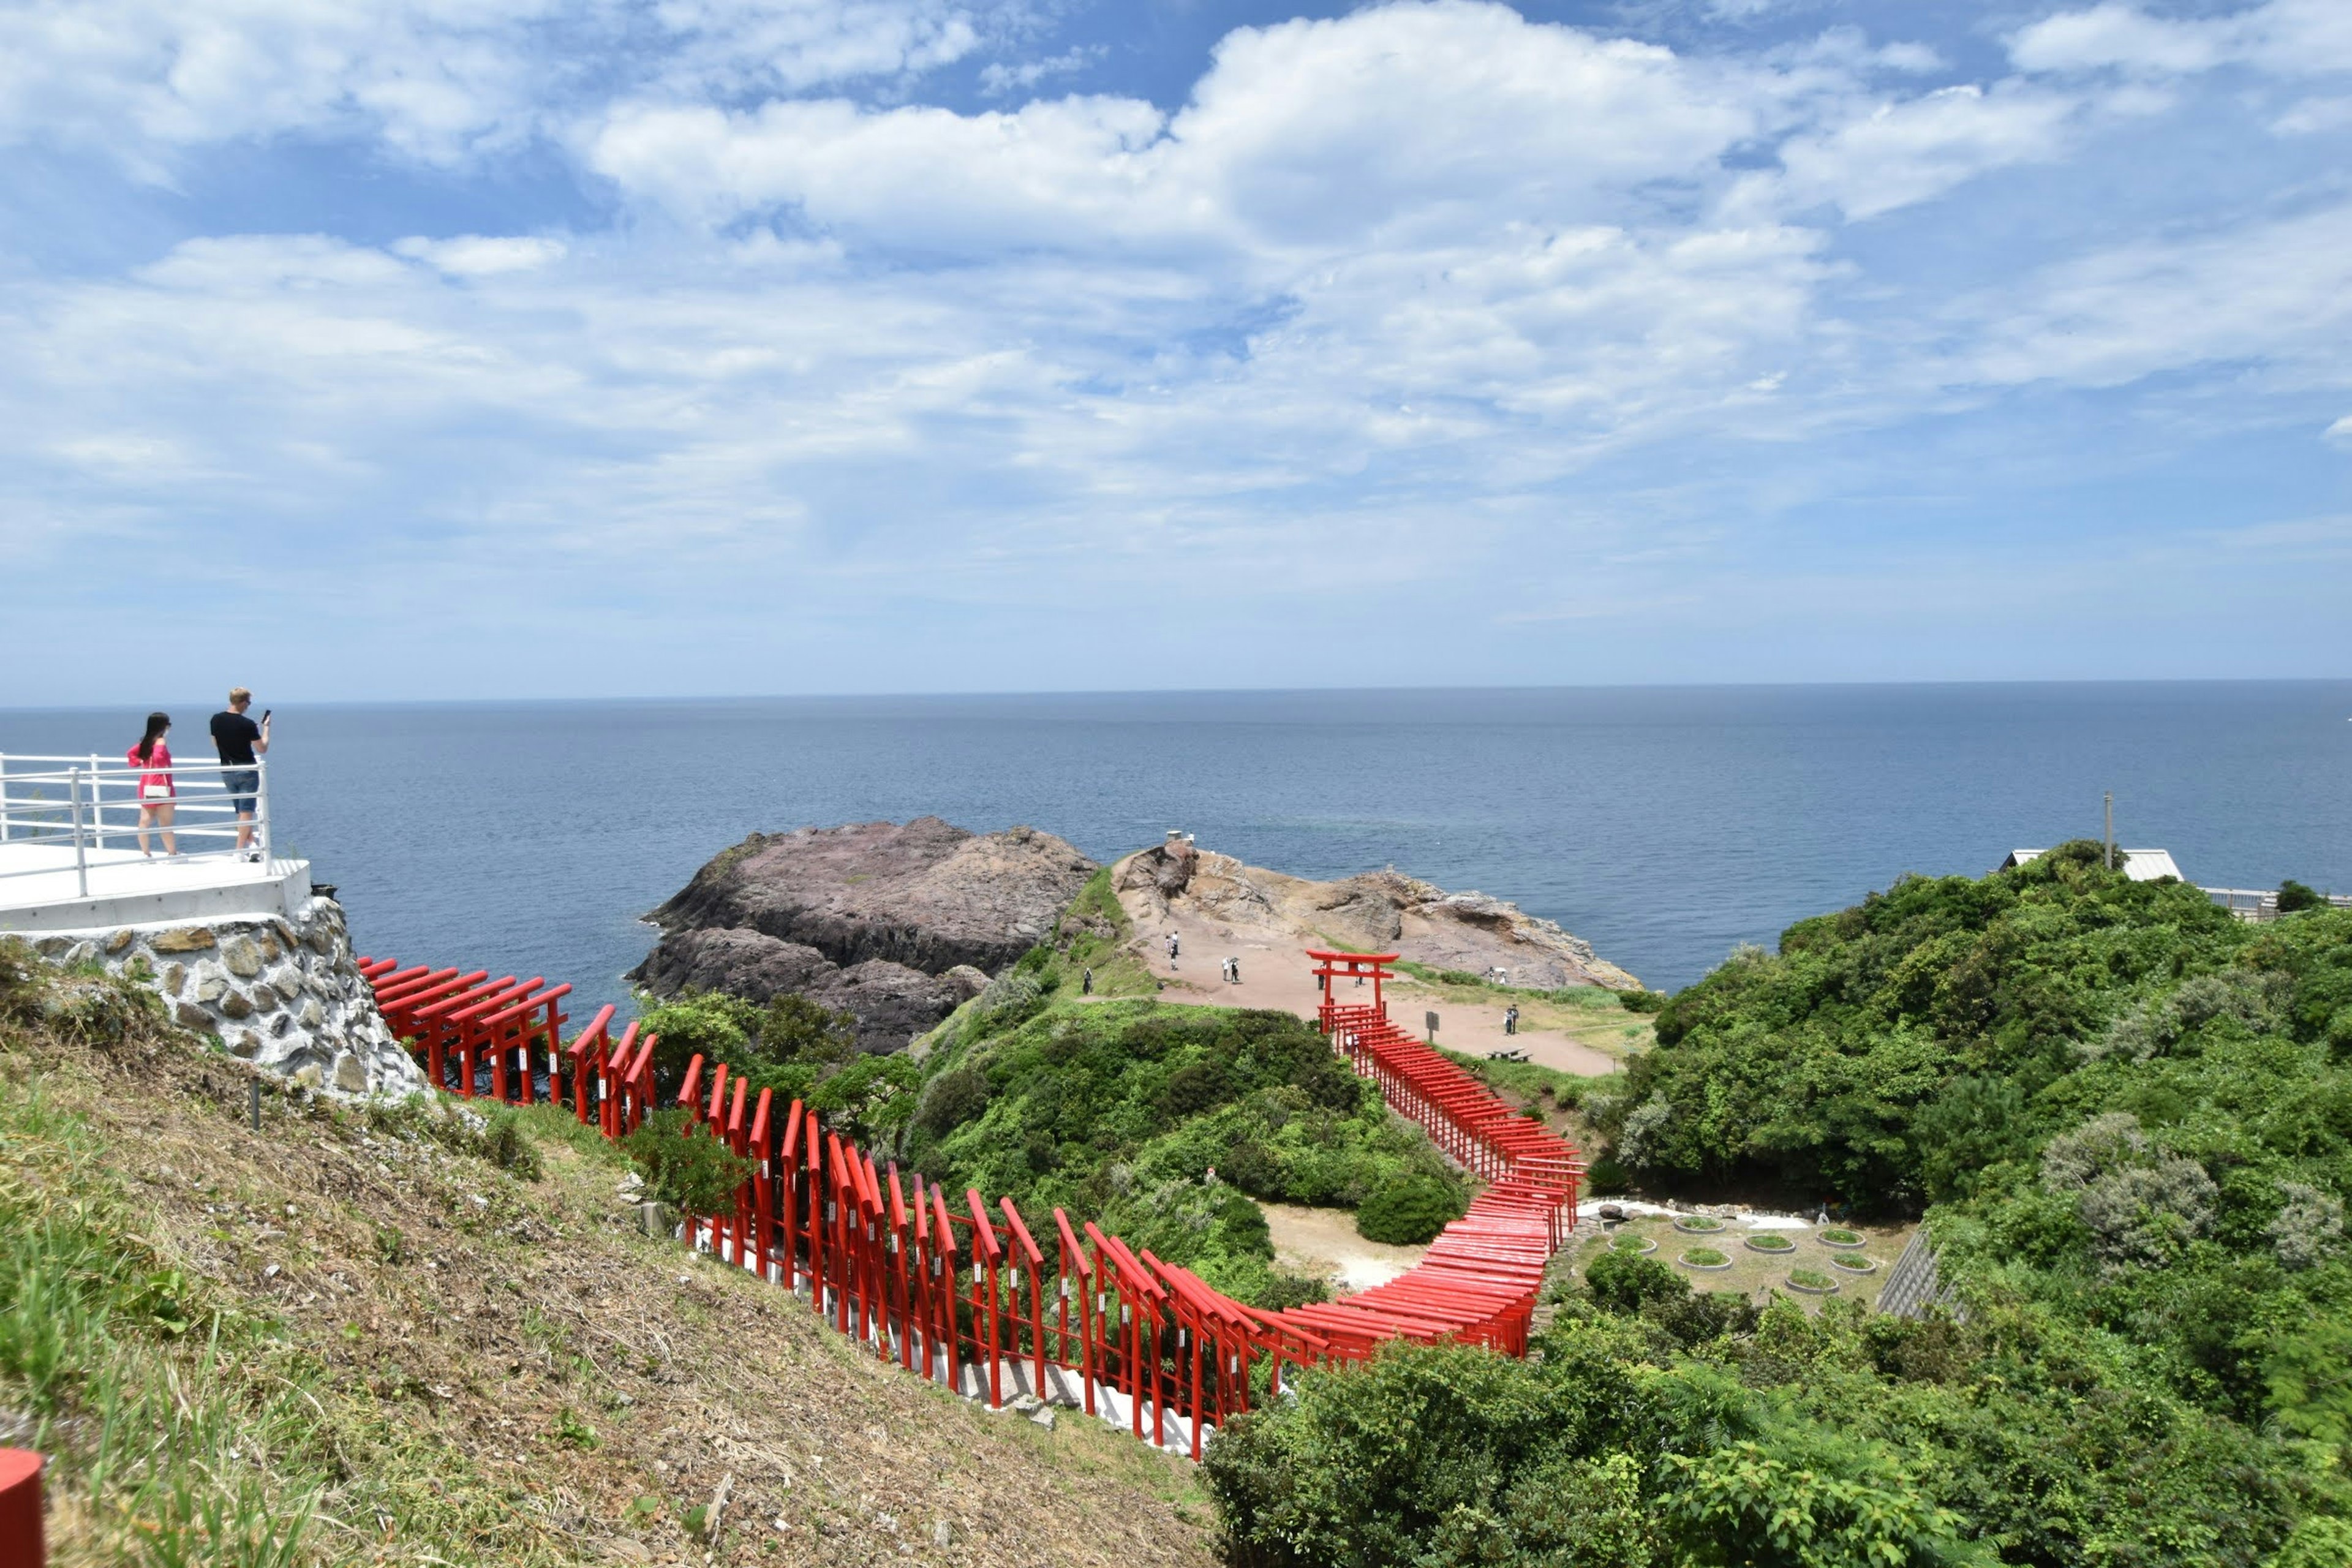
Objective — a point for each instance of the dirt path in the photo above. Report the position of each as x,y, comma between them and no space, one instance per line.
1279,975
1323,1245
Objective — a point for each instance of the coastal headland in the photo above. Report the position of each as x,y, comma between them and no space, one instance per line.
899,924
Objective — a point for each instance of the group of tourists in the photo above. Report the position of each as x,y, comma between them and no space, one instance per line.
240,742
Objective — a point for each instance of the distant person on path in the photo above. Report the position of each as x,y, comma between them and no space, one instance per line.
1511,1019
1086,985
240,742
1171,950
157,795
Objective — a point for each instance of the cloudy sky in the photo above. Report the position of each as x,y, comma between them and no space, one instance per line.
482,348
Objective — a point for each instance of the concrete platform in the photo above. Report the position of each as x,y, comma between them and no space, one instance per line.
40,889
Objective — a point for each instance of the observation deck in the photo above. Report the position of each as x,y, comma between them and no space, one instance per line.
69,855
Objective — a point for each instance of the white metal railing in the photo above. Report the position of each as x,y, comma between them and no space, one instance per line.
89,805
2261,904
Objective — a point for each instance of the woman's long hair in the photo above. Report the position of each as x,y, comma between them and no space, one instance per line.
157,724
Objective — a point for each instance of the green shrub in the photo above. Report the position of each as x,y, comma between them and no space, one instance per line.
1624,1282
2293,896
1447,1457
951,1099
1408,1209
1605,1176
1642,1000
685,1166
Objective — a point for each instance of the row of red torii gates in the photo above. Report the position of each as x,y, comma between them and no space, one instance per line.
996,1303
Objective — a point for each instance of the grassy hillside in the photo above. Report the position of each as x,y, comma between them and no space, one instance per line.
405,1338
2128,1121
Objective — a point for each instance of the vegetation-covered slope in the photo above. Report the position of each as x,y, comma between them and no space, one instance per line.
2129,1120
1161,1123
407,1337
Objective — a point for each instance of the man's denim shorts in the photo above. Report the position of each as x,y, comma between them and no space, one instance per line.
243,784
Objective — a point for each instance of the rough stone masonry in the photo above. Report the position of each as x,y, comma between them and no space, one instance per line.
286,996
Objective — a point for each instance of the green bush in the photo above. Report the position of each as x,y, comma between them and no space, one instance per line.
1120,1110
1642,1000
2129,1118
2292,896
684,1164
1624,1282
1448,1456
951,1099
1408,1209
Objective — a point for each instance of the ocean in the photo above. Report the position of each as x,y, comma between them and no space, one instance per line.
1665,825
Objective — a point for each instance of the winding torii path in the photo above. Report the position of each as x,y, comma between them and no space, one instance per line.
935,1282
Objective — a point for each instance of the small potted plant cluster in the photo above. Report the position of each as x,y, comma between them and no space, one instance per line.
1771,1241
1703,1257
1812,1281
1697,1224
1636,1245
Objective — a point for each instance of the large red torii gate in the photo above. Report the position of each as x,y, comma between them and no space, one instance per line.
1358,966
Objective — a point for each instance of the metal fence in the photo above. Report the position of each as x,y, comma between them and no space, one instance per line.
73,812
2260,905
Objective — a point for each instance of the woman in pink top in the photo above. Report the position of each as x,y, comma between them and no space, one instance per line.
157,796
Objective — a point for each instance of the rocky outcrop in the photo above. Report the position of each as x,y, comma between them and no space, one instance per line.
878,917
1379,909
748,963
284,994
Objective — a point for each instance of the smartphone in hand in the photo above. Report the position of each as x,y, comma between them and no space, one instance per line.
265,715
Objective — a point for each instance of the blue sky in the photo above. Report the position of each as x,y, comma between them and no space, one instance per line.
480,348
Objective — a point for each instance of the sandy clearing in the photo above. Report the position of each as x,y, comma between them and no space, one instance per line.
1322,1244
1279,975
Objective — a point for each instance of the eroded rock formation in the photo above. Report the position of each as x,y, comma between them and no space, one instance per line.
1385,909
895,922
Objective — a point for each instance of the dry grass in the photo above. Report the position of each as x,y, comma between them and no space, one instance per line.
432,1359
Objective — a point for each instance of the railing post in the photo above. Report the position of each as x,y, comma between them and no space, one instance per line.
4,797
261,809
81,851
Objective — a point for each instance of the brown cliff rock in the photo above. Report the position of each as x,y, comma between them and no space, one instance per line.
1384,909
869,917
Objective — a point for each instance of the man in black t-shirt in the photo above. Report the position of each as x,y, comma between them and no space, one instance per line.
240,741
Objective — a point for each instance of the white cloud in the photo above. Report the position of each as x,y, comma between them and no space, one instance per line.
1901,152
2292,38
999,79
2315,116
435,80
481,255
1400,281
1387,127
2340,432
2278,293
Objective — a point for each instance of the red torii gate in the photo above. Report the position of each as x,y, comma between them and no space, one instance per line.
1357,966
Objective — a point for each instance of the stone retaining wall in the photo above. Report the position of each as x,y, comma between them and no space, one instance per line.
284,994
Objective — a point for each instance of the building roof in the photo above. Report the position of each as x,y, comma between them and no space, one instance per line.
2139,864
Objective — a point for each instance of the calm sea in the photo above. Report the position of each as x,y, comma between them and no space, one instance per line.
1665,825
